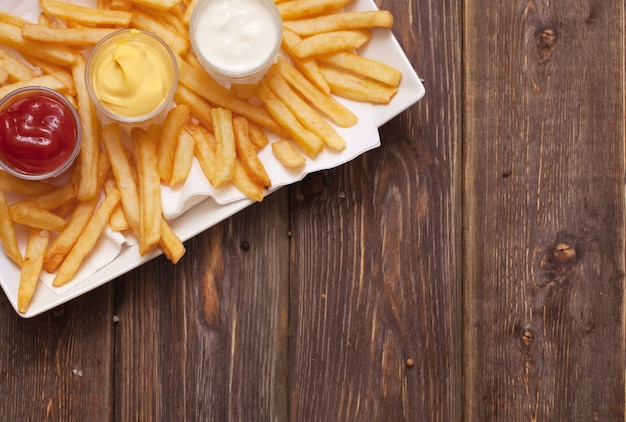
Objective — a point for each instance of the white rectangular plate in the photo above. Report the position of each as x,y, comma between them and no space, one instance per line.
383,46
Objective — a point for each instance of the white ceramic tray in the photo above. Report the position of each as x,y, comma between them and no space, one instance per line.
383,46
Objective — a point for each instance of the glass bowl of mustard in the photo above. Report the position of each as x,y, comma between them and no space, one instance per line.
40,133
131,75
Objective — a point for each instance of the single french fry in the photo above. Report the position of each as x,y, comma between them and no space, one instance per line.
354,87
45,80
308,117
123,174
330,42
31,268
306,65
34,217
341,21
8,238
364,66
298,9
244,91
284,151
52,200
149,184
8,182
247,153
84,14
117,221
245,184
170,243
183,158
326,104
204,152
310,143
124,5
200,108
70,36
89,149
174,122
11,36
225,145
257,136
158,4
87,240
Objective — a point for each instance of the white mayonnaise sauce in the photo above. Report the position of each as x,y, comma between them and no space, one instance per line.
236,36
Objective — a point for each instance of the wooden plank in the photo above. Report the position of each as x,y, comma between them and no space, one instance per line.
206,339
58,365
375,294
544,210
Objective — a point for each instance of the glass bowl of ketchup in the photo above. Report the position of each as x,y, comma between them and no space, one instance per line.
40,133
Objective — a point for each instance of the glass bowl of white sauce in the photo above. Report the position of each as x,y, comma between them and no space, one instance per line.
236,40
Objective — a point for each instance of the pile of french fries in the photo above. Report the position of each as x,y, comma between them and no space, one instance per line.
116,185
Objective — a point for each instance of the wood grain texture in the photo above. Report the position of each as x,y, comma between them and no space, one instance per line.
544,210
206,339
375,297
59,365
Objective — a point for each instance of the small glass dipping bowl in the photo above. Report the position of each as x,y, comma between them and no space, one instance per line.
49,132
236,40
131,76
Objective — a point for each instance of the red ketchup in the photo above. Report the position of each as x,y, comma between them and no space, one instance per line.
38,134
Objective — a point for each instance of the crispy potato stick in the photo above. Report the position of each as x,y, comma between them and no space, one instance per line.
15,68
183,158
308,117
341,21
326,104
354,87
81,214
85,15
170,243
33,259
123,174
158,4
12,19
297,9
205,152
87,240
244,91
146,22
125,5
368,68
308,141
200,108
30,216
54,199
149,184
306,65
205,86
70,36
60,72
174,122
9,182
257,136
225,145
88,156
287,154
245,184
246,152
330,42
117,221
8,237
46,80
11,36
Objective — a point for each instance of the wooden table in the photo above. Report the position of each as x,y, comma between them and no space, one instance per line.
471,268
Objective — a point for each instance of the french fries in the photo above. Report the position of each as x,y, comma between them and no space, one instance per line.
117,179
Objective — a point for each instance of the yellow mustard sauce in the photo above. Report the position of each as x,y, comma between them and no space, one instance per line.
132,78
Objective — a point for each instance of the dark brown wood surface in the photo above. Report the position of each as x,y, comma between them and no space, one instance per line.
471,268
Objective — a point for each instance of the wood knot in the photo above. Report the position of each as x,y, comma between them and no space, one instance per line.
528,338
547,38
313,184
564,253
